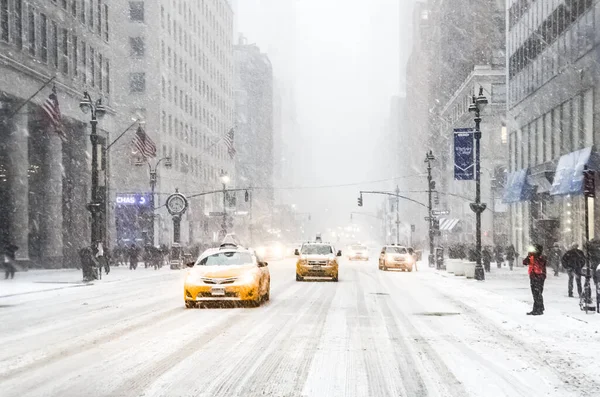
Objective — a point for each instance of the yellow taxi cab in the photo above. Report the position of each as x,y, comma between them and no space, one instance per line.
317,260
227,273
396,257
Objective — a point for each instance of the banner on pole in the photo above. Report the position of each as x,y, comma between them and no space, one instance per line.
464,159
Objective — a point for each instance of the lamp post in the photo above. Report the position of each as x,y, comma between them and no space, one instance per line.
153,180
429,157
97,111
477,105
224,180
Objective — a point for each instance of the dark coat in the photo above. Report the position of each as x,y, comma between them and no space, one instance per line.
574,259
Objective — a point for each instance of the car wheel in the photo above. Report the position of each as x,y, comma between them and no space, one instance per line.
410,269
335,279
190,304
299,277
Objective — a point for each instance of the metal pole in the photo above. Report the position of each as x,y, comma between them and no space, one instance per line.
479,272
224,225
397,216
430,211
94,208
251,227
152,189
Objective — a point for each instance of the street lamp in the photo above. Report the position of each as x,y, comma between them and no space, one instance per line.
478,104
97,110
429,157
224,180
153,180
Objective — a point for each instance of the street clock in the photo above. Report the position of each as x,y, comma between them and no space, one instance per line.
177,204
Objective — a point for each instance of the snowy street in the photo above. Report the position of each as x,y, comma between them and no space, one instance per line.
373,333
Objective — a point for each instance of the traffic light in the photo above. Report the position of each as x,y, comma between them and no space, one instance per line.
247,196
360,201
436,224
432,185
309,217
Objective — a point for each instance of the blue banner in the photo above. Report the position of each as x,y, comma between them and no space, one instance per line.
464,159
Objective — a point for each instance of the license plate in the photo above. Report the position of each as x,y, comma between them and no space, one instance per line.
217,291
318,268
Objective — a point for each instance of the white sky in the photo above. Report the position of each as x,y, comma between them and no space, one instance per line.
340,58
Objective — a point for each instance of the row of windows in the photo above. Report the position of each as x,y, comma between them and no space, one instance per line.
91,13
498,96
184,39
191,165
566,128
573,44
549,30
44,39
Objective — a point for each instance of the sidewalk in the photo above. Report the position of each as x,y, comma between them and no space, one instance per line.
40,280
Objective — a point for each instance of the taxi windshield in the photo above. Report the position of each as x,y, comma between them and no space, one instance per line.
226,259
316,249
359,247
395,250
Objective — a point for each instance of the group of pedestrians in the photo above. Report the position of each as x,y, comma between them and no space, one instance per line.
9,260
151,256
500,255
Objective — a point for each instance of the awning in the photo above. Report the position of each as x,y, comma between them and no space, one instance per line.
569,172
517,189
448,224
541,176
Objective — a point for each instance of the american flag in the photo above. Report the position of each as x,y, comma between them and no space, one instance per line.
229,142
52,110
143,144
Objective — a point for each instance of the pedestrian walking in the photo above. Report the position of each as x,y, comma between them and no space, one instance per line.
133,257
499,256
554,257
102,258
511,256
536,263
574,260
486,258
10,251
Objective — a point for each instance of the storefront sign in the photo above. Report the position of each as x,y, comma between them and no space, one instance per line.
133,199
464,163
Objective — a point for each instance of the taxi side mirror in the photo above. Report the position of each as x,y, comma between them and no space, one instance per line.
339,253
296,252
190,264
263,264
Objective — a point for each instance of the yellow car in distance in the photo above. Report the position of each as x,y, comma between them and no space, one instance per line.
317,260
228,273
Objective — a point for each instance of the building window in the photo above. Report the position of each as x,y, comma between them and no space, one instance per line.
18,24
91,15
44,37
137,82
99,18
75,45
100,72
82,14
92,67
136,45
4,25
106,22
107,76
588,118
74,8
31,33
54,43
65,52
84,62
136,11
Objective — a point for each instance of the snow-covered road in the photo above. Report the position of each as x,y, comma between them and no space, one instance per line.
373,333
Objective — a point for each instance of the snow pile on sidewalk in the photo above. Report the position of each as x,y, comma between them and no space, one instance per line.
565,337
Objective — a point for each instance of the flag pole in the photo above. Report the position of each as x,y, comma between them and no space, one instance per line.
120,136
30,98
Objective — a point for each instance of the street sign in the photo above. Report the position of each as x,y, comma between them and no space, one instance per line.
440,212
215,214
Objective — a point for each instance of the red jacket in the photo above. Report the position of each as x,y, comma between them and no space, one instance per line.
536,265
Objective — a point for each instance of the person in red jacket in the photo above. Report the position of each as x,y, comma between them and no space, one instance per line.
536,264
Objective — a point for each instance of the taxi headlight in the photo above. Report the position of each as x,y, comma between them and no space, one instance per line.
260,251
247,278
302,262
